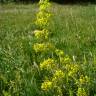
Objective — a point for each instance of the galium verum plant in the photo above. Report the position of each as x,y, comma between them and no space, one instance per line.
61,76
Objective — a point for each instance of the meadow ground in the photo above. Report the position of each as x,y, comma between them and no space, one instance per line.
73,26
73,29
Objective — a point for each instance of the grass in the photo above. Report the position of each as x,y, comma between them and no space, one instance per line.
73,29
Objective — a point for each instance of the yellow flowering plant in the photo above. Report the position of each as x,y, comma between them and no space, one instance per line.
73,70
58,76
46,85
43,15
39,47
48,64
43,47
83,81
41,34
61,71
82,92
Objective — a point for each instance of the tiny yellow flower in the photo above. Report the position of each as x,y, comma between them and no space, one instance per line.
45,3
72,69
48,64
42,22
41,34
58,75
43,47
46,85
67,59
81,92
39,47
84,80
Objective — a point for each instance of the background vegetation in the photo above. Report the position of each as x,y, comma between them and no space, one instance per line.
58,1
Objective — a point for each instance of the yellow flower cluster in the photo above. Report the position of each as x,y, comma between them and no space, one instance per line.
47,64
44,4
41,34
42,19
43,15
43,47
65,60
84,80
58,75
72,69
46,85
81,92
42,22
56,82
57,79
39,47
